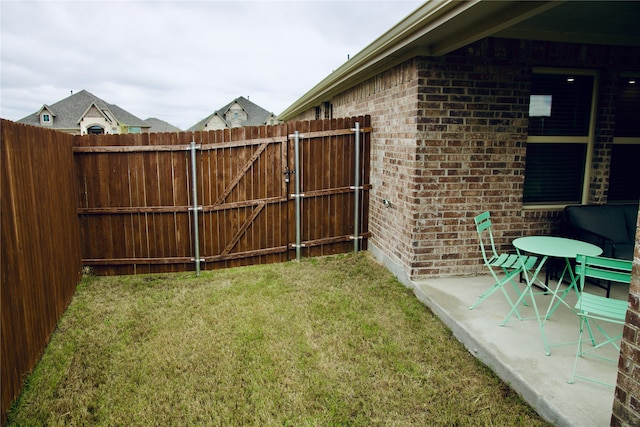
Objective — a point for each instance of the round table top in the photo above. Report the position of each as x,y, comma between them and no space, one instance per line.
559,247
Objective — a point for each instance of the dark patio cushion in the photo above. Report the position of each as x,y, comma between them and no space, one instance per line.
624,250
607,220
631,215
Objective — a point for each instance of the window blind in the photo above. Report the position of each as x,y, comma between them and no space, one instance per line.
554,173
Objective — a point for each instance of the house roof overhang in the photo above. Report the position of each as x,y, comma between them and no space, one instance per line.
439,27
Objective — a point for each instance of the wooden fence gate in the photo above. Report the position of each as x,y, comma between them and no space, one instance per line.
143,210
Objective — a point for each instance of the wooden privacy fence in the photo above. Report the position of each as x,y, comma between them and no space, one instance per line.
143,209
40,246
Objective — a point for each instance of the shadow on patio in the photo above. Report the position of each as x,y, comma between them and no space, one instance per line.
516,353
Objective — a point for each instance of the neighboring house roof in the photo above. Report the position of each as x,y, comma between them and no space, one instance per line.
45,107
256,115
439,27
201,123
69,111
158,126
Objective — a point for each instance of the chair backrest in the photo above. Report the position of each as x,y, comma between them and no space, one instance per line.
613,270
483,227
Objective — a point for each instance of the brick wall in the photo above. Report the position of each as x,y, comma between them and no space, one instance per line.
391,99
626,403
448,143
471,141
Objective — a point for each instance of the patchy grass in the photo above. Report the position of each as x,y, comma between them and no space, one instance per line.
325,341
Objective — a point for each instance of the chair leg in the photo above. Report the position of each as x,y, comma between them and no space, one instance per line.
578,352
584,321
593,340
486,294
483,296
518,292
499,285
608,339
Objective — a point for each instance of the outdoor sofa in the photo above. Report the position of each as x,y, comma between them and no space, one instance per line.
612,227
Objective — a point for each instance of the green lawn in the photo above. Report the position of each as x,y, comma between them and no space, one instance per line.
323,342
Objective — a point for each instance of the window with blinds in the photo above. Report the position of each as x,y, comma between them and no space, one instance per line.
554,173
560,115
624,179
628,108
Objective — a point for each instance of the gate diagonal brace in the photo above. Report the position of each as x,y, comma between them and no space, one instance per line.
241,173
243,228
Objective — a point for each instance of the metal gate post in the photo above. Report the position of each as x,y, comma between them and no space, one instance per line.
356,186
296,150
194,191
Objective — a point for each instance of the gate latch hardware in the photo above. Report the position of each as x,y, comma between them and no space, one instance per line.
287,173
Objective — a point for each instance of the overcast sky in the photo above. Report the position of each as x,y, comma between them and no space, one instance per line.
180,61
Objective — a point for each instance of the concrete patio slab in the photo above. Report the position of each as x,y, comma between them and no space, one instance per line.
515,352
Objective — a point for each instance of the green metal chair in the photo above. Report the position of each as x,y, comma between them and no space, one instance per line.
508,265
596,308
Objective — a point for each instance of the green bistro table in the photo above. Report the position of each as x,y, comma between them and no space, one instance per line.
555,247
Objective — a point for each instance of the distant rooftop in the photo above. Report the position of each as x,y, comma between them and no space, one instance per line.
69,111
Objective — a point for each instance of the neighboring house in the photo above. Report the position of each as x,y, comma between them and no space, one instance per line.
158,126
84,113
239,112
519,108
